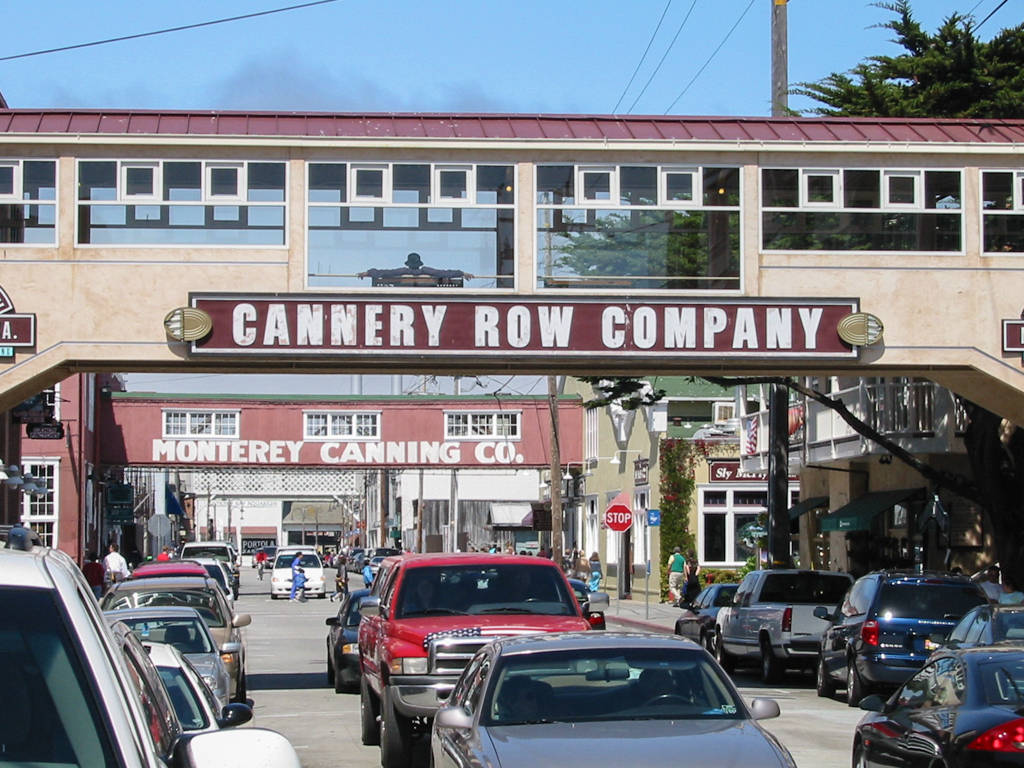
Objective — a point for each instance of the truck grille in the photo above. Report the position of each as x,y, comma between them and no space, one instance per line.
450,655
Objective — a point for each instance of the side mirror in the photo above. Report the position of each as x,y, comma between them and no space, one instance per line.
235,748
821,612
234,714
241,620
872,703
764,709
331,621
597,601
370,607
231,647
453,717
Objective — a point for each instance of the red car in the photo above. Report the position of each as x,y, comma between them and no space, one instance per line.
168,568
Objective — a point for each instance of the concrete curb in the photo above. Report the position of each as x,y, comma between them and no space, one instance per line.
646,626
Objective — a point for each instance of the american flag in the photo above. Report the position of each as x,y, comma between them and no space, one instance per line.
750,442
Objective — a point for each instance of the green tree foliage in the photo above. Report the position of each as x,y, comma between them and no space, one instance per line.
947,74
675,464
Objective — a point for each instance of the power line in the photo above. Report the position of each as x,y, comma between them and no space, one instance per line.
990,15
664,56
712,56
642,58
165,31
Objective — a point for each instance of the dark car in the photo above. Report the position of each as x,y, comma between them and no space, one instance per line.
354,559
884,629
582,592
988,624
343,643
961,710
697,621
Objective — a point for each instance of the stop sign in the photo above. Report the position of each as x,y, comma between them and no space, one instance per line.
618,517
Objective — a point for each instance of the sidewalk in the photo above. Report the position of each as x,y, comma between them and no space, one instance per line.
642,616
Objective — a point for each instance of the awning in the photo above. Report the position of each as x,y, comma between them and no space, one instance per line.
815,502
858,514
511,515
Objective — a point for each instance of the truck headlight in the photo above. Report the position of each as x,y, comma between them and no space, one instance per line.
211,682
410,665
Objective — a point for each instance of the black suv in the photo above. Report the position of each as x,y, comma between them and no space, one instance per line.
879,635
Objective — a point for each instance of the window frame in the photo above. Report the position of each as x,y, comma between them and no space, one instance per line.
435,178
837,187
190,413
581,171
353,177
241,186
696,184
354,436
156,188
493,434
918,178
17,192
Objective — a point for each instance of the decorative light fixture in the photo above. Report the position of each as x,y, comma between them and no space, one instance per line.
615,459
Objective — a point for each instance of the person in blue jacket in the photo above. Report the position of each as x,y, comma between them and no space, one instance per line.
367,574
299,585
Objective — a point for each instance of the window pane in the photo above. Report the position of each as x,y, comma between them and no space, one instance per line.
555,184
721,186
316,424
714,498
224,182
327,182
780,187
38,180
341,425
861,189
942,189
6,180
201,424
183,181
369,183
714,538
638,186
411,183
495,184
743,549
138,181
97,180
226,424
174,423
597,185
901,190
997,191
820,189
679,187
266,182
453,185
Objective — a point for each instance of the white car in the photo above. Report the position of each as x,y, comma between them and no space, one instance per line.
194,704
58,656
281,575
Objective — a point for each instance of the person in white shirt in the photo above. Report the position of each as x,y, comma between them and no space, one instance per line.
115,567
991,587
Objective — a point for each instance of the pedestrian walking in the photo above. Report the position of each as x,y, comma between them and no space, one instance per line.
367,574
92,569
296,570
691,578
115,567
595,572
299,585
676,575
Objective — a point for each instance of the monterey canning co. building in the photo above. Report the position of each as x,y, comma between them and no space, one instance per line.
459,244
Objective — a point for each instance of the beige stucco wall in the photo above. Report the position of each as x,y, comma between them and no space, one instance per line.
101,308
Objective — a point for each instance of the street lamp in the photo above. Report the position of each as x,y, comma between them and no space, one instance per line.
615,457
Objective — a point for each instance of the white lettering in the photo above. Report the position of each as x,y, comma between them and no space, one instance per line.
433,316
276,329
645,328
518,327
309,325
484,452
680,327
555,326
450,453
809,319
351,453
373,453
612,334
242,333
327,451
258,451
238,453
372,325
402,333
778,328
486,327
745,332
715,321
163,450
395,453
7,332
206,450
343,325
294,448
186,450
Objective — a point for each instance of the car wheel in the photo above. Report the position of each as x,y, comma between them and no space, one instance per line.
339,686
772,666
368,711
855,687
708,641
330,670
826,687
395,736
725,659
240,691
859,758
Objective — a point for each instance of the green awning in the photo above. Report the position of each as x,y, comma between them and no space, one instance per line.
815,502
858,514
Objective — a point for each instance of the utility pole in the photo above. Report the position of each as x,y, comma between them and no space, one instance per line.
780,60
556,474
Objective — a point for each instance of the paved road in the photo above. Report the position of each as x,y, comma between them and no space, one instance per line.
288,686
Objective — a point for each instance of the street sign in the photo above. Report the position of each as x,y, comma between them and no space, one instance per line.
653,518
618,517
46,431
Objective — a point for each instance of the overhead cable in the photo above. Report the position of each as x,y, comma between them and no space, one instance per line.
664,56
642,58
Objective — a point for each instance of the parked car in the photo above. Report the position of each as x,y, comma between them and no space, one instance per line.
168,568
697,621
883,629
962,709
194,704
281,575
582,593
185,629
607,698
203,594
375,562
354,559
771,619
220,572
222,550
59,656
343,643
988,624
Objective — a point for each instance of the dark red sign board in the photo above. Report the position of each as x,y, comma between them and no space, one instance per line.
1013,335
618,517
17,330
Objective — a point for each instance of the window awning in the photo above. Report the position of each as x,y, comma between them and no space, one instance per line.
858,514
511,515
815,502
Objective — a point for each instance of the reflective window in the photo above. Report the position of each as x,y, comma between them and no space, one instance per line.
476,425
200,423
1002,225
327,425
21,221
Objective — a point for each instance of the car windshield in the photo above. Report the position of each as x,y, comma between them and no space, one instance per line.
1002,680
484,589
53,718
609,684
203,601
198,550
1008,626
184,699
804,587
306,560
187,635
928,601
217,573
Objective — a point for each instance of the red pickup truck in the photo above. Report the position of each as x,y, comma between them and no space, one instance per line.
429,614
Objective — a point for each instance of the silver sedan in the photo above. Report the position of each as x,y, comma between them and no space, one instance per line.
617,698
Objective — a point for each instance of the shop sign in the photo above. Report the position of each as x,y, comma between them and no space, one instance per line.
1013,335
310,325
53,430
730,472
15,330
641,469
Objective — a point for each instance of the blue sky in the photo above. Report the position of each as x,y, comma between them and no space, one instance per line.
528,56
446,55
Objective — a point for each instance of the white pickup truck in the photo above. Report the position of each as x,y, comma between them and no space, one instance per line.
771,619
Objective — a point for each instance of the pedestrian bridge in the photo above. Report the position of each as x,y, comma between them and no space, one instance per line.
453,244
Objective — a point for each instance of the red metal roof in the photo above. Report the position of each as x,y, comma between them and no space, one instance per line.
509,126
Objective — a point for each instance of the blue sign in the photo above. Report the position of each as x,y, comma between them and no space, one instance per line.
6,351
653,517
